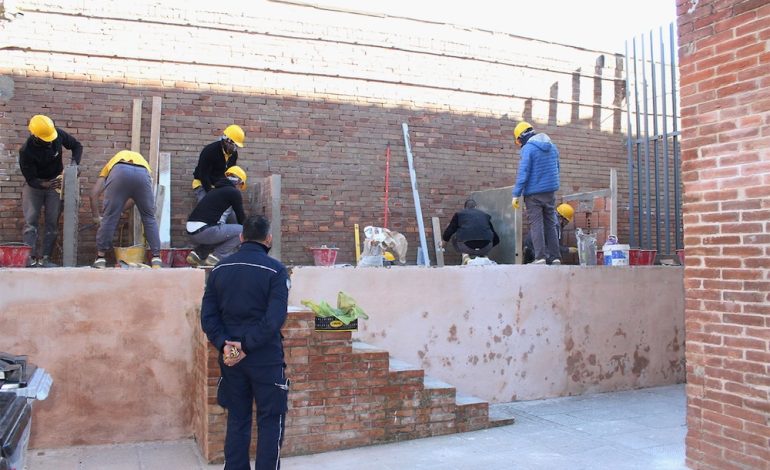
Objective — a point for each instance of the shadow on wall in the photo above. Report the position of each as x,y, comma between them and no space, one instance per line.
330,154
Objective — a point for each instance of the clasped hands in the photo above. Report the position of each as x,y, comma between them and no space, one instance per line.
233,353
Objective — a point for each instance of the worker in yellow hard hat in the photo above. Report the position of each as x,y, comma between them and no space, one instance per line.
125,177
41,163
564,214
212,238
537,182
215,158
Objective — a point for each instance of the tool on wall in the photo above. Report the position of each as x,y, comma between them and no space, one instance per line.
387,185
423,257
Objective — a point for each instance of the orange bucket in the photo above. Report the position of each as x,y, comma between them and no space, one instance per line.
14,255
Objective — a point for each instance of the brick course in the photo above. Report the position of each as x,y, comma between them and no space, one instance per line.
341,396
725,124
320,94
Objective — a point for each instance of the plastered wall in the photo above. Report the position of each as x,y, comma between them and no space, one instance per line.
513,332
118,344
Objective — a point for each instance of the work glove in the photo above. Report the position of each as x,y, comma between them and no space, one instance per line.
573,249
515,203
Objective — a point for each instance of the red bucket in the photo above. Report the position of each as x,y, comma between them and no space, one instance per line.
179,257
641,257
14,255
680,253
323,256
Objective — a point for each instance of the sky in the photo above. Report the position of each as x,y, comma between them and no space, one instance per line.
603,25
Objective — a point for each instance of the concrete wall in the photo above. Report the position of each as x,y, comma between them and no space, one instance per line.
118,344
512,332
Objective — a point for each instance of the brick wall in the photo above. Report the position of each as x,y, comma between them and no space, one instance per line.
341,396
320,94
725,78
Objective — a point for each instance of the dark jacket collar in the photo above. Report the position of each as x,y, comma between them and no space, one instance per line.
255,246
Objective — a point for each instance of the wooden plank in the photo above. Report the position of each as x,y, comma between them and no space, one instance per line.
164,183
155,138
275,215
136,139
136,126
160,197
71,192
613,202
437,242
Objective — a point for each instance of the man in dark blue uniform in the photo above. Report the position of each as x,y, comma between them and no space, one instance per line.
473,232
243,309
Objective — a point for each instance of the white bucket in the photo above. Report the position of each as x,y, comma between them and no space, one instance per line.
616,255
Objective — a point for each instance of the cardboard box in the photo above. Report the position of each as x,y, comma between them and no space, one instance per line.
332,324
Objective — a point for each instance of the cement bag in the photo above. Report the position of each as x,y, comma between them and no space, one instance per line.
586,245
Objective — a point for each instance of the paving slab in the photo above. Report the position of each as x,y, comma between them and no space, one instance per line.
631,430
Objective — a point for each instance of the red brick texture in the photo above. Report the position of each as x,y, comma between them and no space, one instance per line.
320,94
726,172
341,397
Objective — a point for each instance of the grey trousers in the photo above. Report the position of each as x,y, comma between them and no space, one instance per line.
123,183
223,239
541,213
32,202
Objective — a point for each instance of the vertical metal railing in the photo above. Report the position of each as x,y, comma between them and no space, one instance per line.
654,172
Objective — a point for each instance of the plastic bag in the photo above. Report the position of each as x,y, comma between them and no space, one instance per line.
586,245
379,239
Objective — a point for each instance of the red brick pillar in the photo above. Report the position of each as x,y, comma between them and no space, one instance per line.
725,101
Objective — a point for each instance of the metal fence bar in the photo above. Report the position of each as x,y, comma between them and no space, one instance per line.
638,172
666,182
647,242
674,112
630,153
656,136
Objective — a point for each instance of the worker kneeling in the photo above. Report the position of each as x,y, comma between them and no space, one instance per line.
474,235
213,240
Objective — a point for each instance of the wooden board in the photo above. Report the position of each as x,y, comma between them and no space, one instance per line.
163,199
71,192
136,139
437,242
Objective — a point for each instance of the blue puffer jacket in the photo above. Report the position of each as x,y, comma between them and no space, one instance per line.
539,167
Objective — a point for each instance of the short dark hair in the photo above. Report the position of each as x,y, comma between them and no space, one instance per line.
256,228
470,204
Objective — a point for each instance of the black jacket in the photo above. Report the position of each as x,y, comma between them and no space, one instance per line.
246,300
212,164
44,162
216,202
471,224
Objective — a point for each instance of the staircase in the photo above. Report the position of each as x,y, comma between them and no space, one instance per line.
349,394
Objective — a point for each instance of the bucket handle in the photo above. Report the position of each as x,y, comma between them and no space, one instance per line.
14,244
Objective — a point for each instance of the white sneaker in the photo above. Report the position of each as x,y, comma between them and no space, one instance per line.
556,262
539,261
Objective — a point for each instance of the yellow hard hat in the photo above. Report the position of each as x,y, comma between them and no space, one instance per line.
566,211
521,128
42,127
388,256
235,133
237,172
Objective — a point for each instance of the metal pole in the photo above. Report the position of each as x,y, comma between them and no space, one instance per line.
666,182
630,156
417,208
655,142
647,199
637,150
677,203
